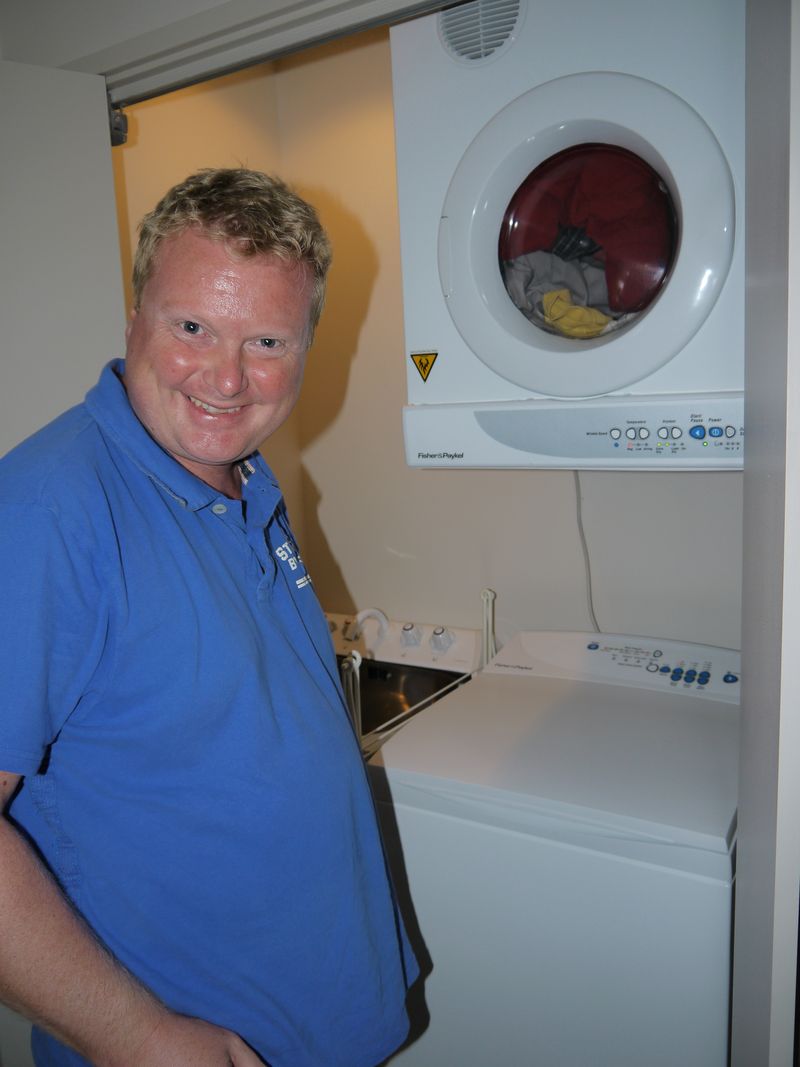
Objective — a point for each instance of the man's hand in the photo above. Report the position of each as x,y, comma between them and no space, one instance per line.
180,1041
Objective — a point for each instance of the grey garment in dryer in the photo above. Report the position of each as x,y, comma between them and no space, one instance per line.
527,278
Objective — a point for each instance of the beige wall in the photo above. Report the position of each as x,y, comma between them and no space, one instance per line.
665,549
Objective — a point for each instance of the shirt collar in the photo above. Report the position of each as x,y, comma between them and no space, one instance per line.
108,404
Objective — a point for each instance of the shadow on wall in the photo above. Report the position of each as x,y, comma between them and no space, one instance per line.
326,574
330,364
350,284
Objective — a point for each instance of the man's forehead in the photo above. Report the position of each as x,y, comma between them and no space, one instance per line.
200,252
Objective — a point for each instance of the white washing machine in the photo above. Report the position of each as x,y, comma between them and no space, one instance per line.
571,194
564,824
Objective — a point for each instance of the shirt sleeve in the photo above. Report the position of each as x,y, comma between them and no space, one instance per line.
52,629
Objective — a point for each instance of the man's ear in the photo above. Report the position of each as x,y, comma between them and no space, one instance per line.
129,327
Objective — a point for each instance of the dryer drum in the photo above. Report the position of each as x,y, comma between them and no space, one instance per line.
596,224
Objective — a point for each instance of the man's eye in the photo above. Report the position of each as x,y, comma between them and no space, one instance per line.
267,342
190,327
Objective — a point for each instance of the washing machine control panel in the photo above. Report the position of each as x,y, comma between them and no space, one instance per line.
618,659
674,432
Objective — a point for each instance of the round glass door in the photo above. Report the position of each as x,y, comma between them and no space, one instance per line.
586,234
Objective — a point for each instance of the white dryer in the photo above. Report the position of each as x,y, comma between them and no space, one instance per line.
570,181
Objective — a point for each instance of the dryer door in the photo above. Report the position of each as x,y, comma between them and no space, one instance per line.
590,307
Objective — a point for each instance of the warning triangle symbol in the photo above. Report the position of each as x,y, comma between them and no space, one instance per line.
424,361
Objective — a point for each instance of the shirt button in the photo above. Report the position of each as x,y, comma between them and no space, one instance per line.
219,509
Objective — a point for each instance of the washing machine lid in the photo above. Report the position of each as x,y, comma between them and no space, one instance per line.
648,775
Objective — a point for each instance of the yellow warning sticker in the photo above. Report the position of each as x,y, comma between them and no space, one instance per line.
424,361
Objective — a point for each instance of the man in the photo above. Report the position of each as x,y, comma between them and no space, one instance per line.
190,869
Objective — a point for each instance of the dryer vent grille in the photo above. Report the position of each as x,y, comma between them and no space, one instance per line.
477,29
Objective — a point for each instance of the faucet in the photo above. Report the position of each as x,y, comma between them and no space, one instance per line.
356,627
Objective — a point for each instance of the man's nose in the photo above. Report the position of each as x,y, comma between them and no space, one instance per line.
228,373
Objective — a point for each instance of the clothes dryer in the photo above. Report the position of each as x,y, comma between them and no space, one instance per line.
571,192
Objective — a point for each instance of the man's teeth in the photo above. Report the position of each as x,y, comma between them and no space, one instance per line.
211,409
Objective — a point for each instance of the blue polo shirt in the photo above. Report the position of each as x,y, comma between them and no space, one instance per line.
191,775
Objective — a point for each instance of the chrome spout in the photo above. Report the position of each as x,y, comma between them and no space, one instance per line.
356,627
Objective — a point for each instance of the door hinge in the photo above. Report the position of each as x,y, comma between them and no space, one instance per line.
117,124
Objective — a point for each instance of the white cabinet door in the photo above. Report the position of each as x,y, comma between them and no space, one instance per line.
61,302
61,305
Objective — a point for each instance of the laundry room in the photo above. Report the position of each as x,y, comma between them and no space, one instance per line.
631,551
479,474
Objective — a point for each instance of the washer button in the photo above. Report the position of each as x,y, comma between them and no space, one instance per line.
716,431
676,432
698,432
615,434
730,431
644,433
630,433
663,432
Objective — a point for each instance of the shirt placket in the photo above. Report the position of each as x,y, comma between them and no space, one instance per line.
232,513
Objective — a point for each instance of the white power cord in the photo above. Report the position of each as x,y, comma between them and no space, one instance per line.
585,548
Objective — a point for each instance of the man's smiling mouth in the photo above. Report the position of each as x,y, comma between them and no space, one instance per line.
211,409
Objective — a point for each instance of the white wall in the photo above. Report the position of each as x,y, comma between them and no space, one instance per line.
665,548
59,251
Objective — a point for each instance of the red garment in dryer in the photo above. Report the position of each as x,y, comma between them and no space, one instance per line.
617,199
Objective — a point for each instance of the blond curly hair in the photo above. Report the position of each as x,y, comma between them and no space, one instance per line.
256,213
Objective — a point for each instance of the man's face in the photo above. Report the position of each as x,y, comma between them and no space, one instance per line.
215,353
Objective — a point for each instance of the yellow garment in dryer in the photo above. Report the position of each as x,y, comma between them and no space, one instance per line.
572,320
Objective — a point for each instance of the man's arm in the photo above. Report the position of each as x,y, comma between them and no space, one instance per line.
54,971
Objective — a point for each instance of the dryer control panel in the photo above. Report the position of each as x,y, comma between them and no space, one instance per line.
671,432
620,659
